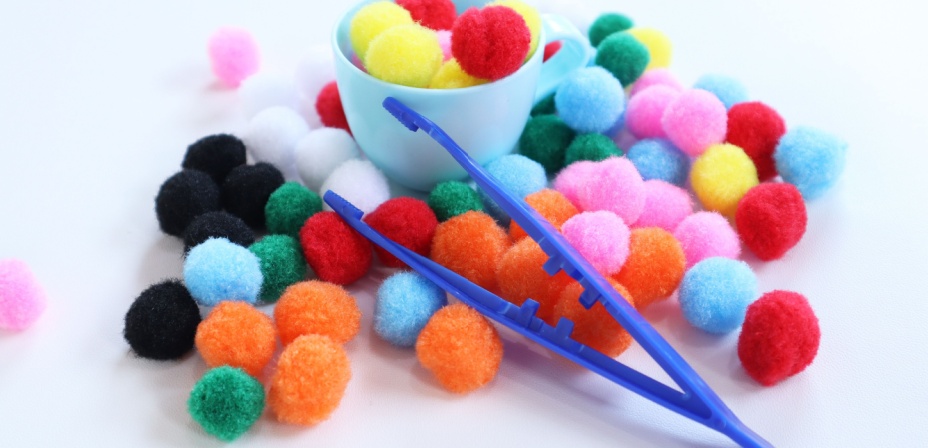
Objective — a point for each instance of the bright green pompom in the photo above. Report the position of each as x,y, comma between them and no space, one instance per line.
289,207
226,402
545,140
282,264
453,198
545,106
624,56
592,147
607,24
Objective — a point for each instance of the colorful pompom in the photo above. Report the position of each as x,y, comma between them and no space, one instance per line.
183,197
234,55
658,44
405,303
665,205
320,152
218,270
656,77
780,337
444,40
452,198
715,294
519,175
521,276
407,55
452,76
645,110
544,106
471,245
728,90
571,181
461,348
532,20
810,159
282,264
359,182
215,155
590,100
315,307
372,20
551,205
614,185
601,237
624,56
721,176
217,225
161,323
659,159
756,128
707,234
592,147
266,90
22,299
545,140
238,335
408,222
330,109
695,121
246,190
594,327
271,136
226,402
490,43
289,207
310,380
607,24
551,49
771,219
434,14
654,267
335,251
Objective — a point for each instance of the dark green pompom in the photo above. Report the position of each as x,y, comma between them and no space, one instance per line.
592,147
453,198
226,402
624,56
607,24
289,207
282,264
545,106
545,140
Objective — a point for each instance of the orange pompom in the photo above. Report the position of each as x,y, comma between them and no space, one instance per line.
310,380
655,266
521,276
315,307
471,245
238,335
551,205
461,348
595,326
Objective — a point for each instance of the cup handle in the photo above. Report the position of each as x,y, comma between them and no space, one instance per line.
575,53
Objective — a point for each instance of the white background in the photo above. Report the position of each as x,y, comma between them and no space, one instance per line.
98,101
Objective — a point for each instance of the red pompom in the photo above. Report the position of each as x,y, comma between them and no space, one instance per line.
336,252
756,128
329,107
434,14
551,49
408,221
771,219
490,43
779,338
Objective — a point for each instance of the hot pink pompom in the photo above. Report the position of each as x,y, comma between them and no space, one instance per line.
614,185
707,234
601,237
234,55
570,179
444,40
656,77
665,205
645,110
21,298
695,121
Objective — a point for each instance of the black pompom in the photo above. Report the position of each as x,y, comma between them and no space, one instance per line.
162,322
215,155
218,225
246,190
183,197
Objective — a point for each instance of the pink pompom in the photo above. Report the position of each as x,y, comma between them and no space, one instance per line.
656,77
444,40
22,299
234,55
707,234
645,110
665,205
356,61
601,237
614,185
571,178
695,121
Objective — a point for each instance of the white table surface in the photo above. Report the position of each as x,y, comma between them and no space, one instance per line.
98,100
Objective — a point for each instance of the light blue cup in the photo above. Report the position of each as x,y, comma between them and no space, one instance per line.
485,120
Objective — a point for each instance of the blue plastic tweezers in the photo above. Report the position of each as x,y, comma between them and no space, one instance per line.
697,401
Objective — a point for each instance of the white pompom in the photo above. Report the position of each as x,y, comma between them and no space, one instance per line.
268,89
360,183
314,71
272,135
320,152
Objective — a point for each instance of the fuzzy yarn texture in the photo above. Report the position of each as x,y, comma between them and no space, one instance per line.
607,24
521,276
571,180
695,121
215,155
594,327
407,221
771,219
452,198
247,189
268,89
780,337
218,270
282,264
592,147
590,100
810,159
490,43
624,56
335,252
665,205
360,183
271,136
545,140
544,106
551,205
715,294
162,322
313,71
645,110
519,175
184,196
659,159
471,245
654,267
601,237
217,225
532,20
289,207
707,234
461,349
728,90
405,303
408,55
721,176
238,335
659,46
22,299
330,109
320,152
452,76
613,185
656,77
372,20
444,39
756,128
226,402
434,14
314,307
233,55
310,381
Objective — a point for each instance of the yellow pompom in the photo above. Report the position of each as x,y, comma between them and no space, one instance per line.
372,20
532,19
721,176
657,43
452,76
408,55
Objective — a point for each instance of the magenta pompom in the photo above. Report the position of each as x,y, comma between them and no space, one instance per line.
571,179
707,234
601,237
234,55
22,299
695,121
665,205
656,77
444,40
645,110
614,185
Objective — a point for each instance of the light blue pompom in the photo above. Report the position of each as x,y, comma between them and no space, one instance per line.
218,270
590,100
810,159
715,294
519,175
728,90
659,159
405,303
